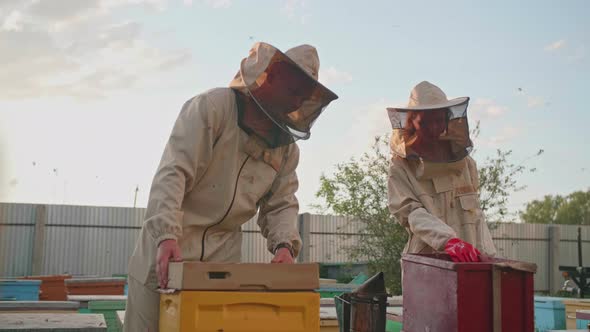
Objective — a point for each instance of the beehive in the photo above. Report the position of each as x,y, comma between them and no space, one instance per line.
212,311
19,290
241,298
53,287
571,306
466,297
109,310
95,286
38,306
28,322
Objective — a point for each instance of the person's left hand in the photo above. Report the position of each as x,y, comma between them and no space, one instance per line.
461,251
283,256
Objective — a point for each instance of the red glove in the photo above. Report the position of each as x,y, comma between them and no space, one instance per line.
461,251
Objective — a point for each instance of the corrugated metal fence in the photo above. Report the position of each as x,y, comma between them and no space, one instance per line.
103,237
329,236
83,240
17,225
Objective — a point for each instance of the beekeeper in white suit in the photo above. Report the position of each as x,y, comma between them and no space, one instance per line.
231,154
433,183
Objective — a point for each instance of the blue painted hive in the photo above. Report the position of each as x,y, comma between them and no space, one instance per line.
20,290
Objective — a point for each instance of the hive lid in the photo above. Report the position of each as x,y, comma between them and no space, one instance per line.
190,275
443,261
51,322
583,314
106,305
53,305
19,282
94,280
88,298
549,302
56,277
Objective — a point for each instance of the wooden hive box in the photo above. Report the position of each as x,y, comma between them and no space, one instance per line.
243,276
19,290
39,307
52,322
445,296
53,287
95,286
241,297
571,306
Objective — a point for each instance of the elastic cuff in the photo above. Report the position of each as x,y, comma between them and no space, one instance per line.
164,237
432,230
285,245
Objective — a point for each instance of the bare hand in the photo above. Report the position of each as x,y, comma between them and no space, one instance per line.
283,256
168,251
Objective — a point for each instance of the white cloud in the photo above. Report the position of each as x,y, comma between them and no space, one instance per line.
578,55
332,75
555,45
289,7
374,118
572,55
218,3
486,108
304,18
13,22
115,36
88,56
13,4
26,63
506,134
118,70
531,101
534,102
61,10
155,4
296,9
369,121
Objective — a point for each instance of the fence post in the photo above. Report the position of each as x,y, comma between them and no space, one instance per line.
39,239
304,231
553,254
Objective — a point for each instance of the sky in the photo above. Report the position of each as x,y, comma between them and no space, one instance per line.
89,90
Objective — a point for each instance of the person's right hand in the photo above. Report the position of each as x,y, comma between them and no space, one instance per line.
461,251
168,251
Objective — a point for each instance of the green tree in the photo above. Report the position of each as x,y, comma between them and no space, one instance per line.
497,181
358,190
574,209
542,211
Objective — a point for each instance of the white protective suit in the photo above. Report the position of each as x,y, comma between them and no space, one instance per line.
435,197
213,177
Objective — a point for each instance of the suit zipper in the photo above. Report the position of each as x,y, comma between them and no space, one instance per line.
226,212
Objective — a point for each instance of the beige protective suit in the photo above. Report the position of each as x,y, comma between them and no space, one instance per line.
214,177
436,202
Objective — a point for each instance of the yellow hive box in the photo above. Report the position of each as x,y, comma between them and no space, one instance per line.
207,311
571,306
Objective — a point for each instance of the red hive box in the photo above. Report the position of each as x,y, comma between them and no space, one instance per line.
53,287
442,296
96,286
